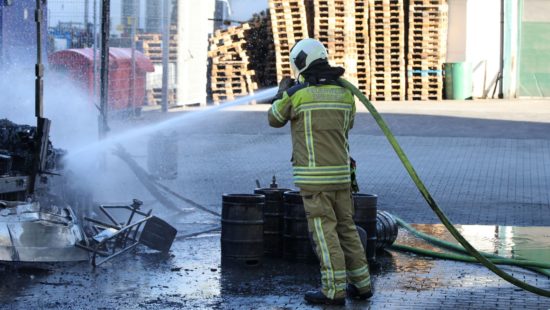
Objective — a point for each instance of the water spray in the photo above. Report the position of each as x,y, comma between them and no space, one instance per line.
112,140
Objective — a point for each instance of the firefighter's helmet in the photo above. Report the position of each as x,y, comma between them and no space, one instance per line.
304,53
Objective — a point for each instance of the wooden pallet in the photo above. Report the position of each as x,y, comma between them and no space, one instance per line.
335,27
151,44
427,3
387,49
426,49
425,88
154,96
387,94
260,49
289,24
230,73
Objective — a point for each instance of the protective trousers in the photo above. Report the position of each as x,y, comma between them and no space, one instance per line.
337,243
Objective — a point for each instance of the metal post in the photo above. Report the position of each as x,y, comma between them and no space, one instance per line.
104,74
135,20
86,21
38,95
165,53
39,68
94,82
501,71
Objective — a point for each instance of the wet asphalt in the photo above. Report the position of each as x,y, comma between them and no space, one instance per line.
486,166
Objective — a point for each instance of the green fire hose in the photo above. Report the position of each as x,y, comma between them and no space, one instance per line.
469,259
535,266
442,243
431,202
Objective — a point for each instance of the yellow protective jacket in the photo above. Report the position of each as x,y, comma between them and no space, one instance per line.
320,119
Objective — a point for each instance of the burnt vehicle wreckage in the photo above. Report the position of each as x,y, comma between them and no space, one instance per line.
40,226
37,221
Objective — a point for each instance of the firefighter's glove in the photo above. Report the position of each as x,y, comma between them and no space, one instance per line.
285,83
353,167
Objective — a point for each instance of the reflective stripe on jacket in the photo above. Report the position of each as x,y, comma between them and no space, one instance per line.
320,118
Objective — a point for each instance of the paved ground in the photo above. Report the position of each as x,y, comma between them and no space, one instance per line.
484,162
489,165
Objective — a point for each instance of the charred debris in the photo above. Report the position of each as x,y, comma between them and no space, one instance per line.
47,222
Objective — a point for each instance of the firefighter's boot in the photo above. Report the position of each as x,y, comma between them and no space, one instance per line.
353,292
318,298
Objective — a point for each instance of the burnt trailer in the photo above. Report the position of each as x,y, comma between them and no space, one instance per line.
43,229
37,223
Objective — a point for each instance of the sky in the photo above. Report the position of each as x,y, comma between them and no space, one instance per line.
243,9
73,10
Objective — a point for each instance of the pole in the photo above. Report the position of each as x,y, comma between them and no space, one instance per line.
96,43
86,21
38,102
39,67
165,53
104,72
500,74
135,20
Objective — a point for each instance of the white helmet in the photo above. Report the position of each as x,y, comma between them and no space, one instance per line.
304,53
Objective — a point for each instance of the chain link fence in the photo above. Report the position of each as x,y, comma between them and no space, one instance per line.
142,41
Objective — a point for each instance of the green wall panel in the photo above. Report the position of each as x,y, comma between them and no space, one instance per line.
534,69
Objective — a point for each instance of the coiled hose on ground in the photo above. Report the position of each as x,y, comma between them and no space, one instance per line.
431,202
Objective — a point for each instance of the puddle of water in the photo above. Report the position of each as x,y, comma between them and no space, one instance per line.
532,243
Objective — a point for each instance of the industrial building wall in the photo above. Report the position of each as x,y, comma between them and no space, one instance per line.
193,29
474,37
456,40
483,44
534,68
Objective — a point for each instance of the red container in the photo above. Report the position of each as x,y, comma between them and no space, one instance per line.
79,65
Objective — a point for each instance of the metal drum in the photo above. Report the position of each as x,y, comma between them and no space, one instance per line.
365,217
273,220
386,230
242,228
296,242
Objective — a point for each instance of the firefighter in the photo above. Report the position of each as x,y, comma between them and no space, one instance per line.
321,112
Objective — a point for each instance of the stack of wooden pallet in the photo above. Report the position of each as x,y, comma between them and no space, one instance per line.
334,24
387,49
261,50
230,72
289,25
154,96
369,38
427,41
152,45
362,43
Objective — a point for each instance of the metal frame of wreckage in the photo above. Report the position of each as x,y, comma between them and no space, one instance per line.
109,239
113,239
